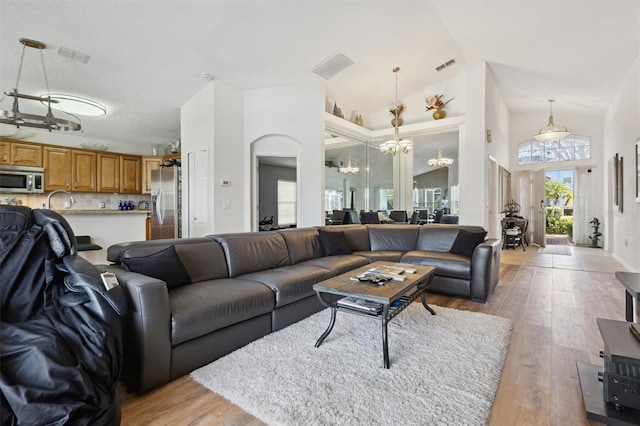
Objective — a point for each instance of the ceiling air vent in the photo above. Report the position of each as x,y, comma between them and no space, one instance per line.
73,54
447,64
333,65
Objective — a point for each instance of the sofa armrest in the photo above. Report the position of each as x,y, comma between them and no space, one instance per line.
485,269
147,330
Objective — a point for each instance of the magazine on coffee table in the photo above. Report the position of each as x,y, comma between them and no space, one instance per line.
360,304
393,272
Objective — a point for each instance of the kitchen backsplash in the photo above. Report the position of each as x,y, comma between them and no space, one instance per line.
82,200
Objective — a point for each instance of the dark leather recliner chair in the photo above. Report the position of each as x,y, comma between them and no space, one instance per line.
61,351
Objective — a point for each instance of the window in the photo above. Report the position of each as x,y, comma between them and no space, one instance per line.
333,199
287,203
572,147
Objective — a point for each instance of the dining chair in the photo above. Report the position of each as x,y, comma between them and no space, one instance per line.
399,216
369,217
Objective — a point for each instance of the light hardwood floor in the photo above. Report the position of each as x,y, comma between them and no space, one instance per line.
553,300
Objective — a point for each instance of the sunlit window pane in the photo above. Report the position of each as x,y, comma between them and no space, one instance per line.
286,202
572,147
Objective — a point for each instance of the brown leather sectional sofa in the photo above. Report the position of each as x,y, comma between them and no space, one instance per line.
193,300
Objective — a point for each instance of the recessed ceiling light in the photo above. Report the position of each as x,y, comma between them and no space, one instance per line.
75,105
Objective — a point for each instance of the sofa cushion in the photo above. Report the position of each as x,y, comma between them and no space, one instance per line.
381,255
466,242
164,265
202,258
338,264
439,237
357,236
290,283
333,243
446,264
393,237
249,252
202,308
302,243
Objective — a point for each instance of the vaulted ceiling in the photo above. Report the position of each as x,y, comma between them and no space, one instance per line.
146,57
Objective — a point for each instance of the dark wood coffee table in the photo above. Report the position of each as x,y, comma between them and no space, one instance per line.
393,296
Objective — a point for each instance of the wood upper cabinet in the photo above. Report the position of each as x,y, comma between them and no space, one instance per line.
57,168
83,171
108,172
130,174
5,152
20,154
148,164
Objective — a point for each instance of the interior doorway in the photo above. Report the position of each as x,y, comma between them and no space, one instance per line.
277,192
559,195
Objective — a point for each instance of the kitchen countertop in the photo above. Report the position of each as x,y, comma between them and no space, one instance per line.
100,211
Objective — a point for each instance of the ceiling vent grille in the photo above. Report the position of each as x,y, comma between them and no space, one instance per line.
73,54
333,65
447,64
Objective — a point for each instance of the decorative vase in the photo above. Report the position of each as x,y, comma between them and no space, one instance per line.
439,114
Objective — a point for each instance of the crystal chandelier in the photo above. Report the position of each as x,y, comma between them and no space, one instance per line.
551,132
19,119
349,169
440,161
396,144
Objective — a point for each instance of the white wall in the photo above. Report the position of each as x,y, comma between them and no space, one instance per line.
472,149
212,120
294,113
497,121
621,129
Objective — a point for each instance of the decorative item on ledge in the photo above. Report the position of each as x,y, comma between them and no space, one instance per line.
337,111
358,120
436,102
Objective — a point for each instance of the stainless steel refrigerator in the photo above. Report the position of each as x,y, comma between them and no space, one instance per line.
166,198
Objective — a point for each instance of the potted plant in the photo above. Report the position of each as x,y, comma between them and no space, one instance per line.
435,102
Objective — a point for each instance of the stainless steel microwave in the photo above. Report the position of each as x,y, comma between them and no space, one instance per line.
19,179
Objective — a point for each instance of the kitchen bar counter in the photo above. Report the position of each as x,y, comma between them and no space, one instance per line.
66,212
106,227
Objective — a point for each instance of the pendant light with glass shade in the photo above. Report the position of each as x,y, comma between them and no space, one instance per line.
551,132
440,161
349,169
396,144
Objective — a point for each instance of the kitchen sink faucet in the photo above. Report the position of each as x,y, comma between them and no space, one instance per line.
48,205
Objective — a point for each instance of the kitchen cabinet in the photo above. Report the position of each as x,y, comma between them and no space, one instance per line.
20,153
130,174
83,171
148,164
57,168
119,173
108,172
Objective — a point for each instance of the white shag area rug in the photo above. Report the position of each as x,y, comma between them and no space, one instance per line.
444,370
